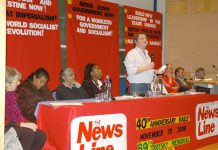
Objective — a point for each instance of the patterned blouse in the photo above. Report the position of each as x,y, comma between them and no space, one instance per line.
12,111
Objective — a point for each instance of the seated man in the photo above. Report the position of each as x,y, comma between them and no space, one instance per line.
181,80
69,88
200,73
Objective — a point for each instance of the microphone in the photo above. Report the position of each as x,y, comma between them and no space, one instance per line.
215,67
152,57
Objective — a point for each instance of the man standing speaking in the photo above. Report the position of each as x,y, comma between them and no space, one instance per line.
139,66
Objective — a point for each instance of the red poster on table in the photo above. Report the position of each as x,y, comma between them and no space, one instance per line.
33,37
92,37
138,20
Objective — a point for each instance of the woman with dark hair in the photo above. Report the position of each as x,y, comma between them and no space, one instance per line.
33,90
92,76
69,88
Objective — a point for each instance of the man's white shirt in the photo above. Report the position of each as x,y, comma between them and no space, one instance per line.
135,58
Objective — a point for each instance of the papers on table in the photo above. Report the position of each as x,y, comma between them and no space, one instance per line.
63,103
162,68
129,97
56,104
184,93
126,97
69,102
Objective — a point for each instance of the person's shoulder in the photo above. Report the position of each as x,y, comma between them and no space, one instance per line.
165,77
60,86
25,86
26,83
132,51
87,83
25,90
177,79
9,95
132,54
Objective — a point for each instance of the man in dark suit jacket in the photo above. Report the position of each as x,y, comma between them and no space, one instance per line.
181,80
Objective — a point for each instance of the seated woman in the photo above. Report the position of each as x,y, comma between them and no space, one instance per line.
92,84
29,136
69,88
169,81
33,90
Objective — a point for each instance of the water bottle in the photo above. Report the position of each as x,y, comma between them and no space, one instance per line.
156,91
107,89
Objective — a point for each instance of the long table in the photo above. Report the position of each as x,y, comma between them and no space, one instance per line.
174,122
211,85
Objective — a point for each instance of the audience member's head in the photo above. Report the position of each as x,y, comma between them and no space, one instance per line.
12,79
140,40
169,70
200,73
92,72
179,72
67,76
39,78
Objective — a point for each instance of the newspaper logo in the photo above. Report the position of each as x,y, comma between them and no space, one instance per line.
206,120
106,132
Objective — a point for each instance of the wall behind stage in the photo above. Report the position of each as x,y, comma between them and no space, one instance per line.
191,41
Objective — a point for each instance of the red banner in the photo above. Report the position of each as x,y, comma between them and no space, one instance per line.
33,37
92,37
139,20
164,123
